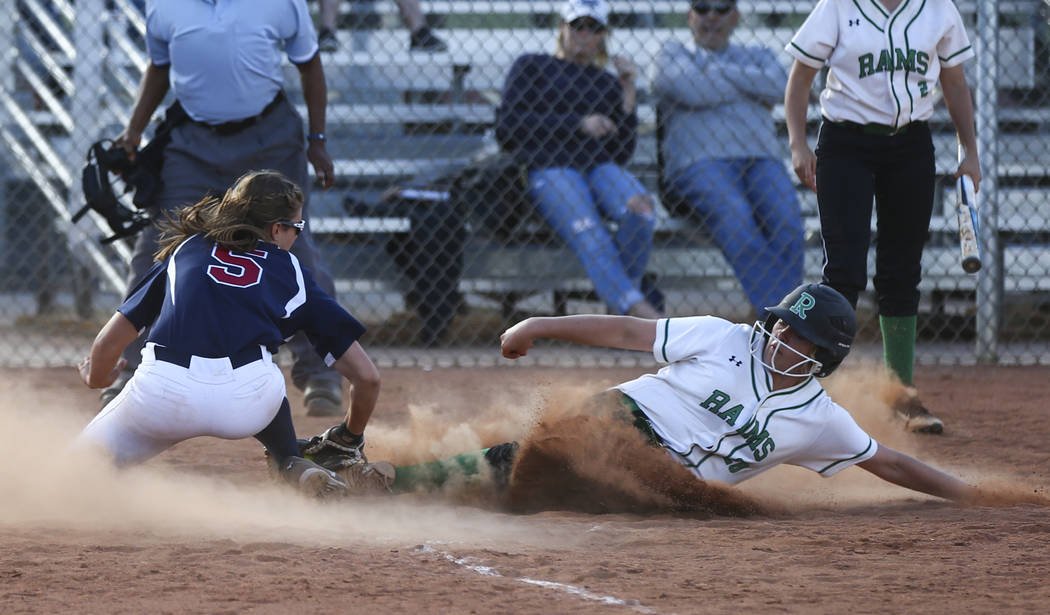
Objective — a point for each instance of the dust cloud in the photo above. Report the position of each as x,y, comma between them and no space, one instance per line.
45,483
439,427
573,458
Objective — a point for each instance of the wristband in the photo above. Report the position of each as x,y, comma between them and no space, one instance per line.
316,136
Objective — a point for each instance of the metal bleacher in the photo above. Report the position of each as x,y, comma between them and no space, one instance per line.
435,113
397,116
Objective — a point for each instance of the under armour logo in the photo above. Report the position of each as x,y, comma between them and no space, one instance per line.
804,304
854,22
733,359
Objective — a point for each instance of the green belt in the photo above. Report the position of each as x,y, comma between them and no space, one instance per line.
641,421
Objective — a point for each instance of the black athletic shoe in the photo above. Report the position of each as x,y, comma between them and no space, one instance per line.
425,40
326,40
915,415
323,398
501,457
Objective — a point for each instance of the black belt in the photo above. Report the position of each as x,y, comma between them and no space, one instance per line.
882,130
237,359
231,128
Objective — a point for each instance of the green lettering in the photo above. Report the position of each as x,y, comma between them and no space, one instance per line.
731,415
885,62
924,89
715,401
922,62
749,429
768,446
735,465
757,438
804,304
867,64
907,62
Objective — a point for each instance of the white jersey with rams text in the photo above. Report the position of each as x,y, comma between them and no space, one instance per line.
713,408
884,65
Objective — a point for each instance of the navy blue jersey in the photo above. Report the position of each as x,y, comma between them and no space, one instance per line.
206,301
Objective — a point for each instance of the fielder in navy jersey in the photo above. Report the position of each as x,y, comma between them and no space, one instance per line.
224,294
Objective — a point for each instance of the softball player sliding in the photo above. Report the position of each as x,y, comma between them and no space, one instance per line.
736,400
885,58
731,402
222,296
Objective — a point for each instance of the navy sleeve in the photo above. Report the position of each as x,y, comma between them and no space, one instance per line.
526,118
329,327
144,301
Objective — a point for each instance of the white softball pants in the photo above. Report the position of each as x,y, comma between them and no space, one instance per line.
164,404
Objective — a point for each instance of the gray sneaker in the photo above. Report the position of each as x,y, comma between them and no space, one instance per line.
311,479
369,478
916,416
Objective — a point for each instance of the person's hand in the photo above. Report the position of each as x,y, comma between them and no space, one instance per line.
129,140
597,125
516,341
84,370
318,156
972,167
626,70
805,164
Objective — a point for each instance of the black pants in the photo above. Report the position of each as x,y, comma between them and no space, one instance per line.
898,171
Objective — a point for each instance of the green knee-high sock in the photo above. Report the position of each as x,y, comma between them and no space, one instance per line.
435,474
898,345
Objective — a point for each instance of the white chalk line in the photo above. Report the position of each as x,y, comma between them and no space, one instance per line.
488,571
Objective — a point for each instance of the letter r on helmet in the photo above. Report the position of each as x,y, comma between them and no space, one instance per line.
804,304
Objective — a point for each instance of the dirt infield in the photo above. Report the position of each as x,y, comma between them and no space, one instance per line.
201,529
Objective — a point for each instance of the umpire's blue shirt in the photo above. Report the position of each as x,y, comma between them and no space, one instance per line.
225,55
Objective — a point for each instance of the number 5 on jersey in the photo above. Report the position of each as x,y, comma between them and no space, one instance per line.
236,269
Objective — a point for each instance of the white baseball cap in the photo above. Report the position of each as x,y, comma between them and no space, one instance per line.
597,10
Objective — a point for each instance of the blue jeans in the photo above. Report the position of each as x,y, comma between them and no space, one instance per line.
574,202
751,209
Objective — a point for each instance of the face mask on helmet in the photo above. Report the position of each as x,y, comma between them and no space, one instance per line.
762,335
821,315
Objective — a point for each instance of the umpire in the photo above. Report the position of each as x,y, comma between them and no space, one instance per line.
885,58
222,61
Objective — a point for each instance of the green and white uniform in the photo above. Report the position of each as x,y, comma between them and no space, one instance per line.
714,411
883,65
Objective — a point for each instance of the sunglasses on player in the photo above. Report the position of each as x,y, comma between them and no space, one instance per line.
722,8
298,226
585,24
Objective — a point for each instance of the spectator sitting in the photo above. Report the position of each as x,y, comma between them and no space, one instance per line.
573,125
421,39
720,151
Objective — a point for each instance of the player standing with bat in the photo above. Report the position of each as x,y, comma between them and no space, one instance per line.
885,58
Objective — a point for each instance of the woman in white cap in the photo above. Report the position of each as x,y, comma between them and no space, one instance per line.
573,125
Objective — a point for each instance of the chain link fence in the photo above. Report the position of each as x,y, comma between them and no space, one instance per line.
439,239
